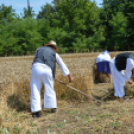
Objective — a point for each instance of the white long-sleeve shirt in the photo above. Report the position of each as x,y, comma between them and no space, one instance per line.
103,56
128,72
62,66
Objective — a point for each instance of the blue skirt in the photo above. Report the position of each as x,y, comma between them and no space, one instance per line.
103,67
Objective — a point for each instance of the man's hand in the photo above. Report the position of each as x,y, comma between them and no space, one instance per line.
71,79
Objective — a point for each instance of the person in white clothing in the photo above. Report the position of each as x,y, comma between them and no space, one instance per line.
43,71
124,61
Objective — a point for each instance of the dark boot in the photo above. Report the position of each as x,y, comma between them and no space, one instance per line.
100,81
36,114
116,98
54,110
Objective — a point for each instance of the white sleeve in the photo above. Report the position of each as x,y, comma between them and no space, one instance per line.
129,67
62,65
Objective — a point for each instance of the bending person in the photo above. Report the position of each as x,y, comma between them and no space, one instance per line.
43,71
103,64
124,61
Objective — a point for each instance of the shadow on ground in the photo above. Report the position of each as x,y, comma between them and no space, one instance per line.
15,102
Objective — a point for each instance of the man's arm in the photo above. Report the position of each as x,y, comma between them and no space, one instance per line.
63,68
128,71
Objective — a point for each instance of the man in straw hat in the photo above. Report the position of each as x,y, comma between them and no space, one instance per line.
124,61
43,71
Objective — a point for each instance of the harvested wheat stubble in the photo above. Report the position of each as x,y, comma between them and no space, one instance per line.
81,69
129,91
15,93
17,70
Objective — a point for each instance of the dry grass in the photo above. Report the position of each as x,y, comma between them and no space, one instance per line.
77,118
0,121
73,115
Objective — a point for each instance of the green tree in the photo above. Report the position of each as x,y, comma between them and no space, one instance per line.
6,13
28,13
46,12
19,37
112,8
55,2
60,37
43,28
129,13
119,25
82,22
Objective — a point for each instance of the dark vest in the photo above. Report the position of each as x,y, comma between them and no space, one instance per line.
46,56
121,60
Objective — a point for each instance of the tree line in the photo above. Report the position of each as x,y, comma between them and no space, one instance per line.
76,26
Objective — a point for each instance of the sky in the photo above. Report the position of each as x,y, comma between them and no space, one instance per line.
18,5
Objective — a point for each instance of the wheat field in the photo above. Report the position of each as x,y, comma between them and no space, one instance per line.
15,116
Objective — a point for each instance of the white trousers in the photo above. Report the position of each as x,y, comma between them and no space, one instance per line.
41,73
118,79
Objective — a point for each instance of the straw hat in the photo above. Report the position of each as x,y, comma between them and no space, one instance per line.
53,43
